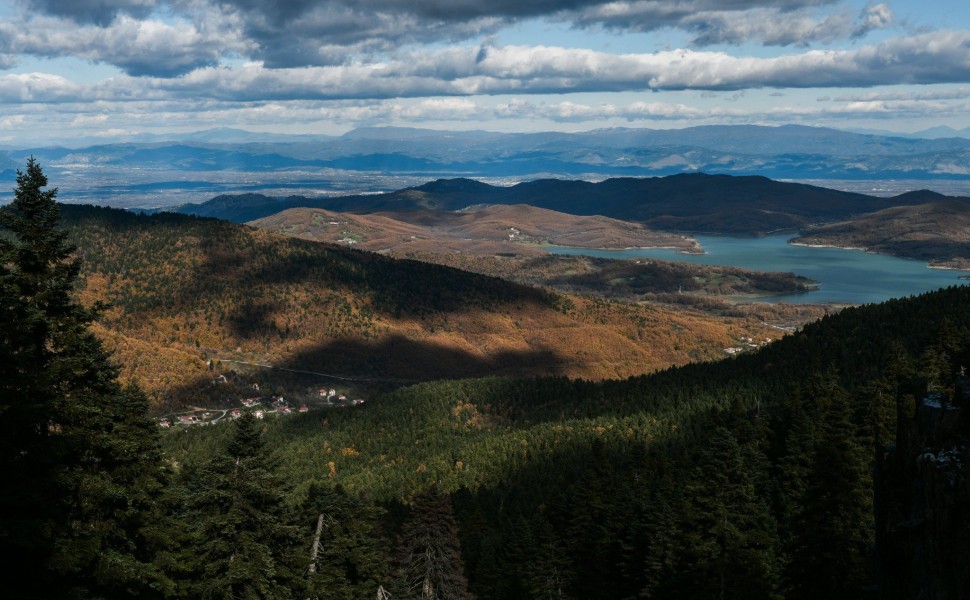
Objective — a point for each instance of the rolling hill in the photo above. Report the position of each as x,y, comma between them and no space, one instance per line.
508,241
483,229
184,291
937,232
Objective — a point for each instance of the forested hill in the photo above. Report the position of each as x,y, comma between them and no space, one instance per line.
746,478
186,290
690,202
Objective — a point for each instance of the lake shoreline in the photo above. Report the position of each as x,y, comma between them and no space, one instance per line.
845,276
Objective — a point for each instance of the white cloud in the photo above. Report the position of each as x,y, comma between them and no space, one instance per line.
941,57
944,94
21,88
139,47
400,61
13,121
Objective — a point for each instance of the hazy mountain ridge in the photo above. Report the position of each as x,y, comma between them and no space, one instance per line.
783,152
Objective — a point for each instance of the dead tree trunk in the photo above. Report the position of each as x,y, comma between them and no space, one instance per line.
315,551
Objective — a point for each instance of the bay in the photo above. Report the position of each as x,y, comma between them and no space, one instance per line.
844,276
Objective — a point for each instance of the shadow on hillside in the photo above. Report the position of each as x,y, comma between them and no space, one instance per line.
392,362
254,277
930,249
401,359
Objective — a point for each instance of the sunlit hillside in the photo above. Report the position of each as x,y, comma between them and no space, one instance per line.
184,291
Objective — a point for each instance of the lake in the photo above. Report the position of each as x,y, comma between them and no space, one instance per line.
845,276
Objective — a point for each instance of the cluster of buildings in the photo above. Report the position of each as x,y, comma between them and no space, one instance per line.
332,398
276,405
747,343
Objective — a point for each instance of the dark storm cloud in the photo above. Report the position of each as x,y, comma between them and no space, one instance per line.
281,12
322,32
99,12
784,23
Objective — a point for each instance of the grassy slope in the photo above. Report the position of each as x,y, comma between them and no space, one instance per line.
505,228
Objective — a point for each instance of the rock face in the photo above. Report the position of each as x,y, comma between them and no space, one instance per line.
923,501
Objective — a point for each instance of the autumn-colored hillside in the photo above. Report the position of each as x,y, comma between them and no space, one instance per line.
519,229
185,291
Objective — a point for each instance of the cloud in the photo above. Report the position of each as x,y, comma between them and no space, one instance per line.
946,94
26,88
138,47
13,122
326,32
941,57
769,26
874,16
283,12
297,33
783,23
145,112
98,12
332,33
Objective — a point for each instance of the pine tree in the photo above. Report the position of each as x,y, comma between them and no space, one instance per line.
349,563
729,533
244,547
832,530
78,449
431,566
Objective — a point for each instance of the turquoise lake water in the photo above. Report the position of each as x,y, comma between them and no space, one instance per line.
845,276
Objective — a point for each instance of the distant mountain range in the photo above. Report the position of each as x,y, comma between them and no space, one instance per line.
683,203
788,152
920,224
927,134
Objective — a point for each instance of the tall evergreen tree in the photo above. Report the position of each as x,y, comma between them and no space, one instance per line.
832,530
77,448
729,533
431,566
243,544
349,562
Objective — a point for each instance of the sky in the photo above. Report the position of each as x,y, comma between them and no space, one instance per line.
114,69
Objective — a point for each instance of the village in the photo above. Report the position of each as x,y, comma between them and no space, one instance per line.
261,407
747,343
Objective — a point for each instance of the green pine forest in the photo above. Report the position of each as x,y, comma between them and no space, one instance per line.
750,477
